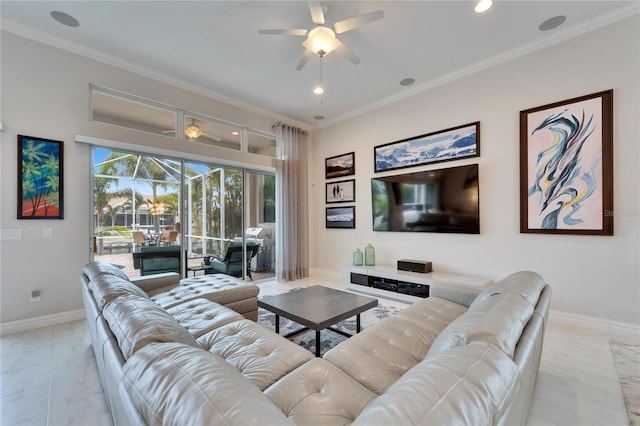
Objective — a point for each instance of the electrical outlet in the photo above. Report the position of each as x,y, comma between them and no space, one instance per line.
47,232
11,234
35,296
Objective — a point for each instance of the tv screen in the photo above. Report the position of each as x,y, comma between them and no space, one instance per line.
443,200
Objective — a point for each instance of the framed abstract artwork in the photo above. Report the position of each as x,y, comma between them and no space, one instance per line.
340,192
340,165
566,166
40,178
340,217
444,145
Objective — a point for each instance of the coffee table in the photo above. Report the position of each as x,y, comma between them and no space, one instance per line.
317,308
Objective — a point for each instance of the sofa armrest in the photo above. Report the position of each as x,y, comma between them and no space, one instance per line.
151,282
460,296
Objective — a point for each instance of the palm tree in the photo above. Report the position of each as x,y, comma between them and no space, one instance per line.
139,167
40,178
130,201
112,211
101,198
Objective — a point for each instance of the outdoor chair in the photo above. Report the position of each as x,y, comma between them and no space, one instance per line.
231,263
168,237
138,237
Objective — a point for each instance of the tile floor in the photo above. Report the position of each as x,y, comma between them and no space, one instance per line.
49,377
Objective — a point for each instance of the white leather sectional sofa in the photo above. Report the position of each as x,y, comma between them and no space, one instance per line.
453,358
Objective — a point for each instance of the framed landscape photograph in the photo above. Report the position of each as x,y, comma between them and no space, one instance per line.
566,167
341,217
40,183
444,145
340,165
340,192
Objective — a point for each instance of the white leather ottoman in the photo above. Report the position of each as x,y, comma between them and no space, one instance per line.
228,291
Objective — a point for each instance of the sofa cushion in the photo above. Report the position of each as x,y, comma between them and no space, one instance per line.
259,354
174,384
137,321
526,284
93,269
380,355
106,288
217,289
318,393
468,385
200,316
223,288
497,316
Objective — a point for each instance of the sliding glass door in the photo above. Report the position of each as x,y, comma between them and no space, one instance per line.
206,213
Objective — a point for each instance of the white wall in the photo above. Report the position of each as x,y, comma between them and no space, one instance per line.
591,275
45,93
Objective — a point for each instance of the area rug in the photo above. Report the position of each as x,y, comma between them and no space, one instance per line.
627,361
328,338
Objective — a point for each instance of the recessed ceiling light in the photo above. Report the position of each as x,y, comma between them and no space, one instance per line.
407,81
318,90
483,6
319,117
65,19
552,23
234,133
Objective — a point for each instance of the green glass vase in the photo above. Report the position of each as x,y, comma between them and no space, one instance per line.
358,257
369,255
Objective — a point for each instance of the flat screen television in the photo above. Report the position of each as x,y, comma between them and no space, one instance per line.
442,200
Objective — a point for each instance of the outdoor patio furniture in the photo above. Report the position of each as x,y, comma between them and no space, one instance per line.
138,237
168,237
231,264
156,260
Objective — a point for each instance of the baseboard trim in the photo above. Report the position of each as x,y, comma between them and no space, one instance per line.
28,324
594,323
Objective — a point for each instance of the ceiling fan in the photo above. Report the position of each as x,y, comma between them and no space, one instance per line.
322,40
193,132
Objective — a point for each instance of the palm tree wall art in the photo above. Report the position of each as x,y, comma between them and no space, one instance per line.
40,183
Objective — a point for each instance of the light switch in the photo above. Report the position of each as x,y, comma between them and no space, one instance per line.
47,232
11,234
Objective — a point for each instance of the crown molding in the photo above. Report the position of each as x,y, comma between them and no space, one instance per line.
39,36
557,37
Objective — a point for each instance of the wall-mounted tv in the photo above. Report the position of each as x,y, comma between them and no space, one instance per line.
442,200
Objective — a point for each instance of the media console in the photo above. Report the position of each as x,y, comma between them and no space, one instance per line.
389,282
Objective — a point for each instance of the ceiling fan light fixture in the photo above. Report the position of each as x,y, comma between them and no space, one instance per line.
193,131
483,6
321,41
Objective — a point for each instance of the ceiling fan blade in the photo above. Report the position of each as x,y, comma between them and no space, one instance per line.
290,32
317,15
305,57
344,51
357,21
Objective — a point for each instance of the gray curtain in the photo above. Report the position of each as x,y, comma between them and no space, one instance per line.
292,209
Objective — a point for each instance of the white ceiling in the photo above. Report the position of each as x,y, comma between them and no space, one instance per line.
214,46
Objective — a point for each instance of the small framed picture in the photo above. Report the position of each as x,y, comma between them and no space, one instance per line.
40,184
341,217
340,192
340,165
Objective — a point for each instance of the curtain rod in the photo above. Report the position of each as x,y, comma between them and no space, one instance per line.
279,123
